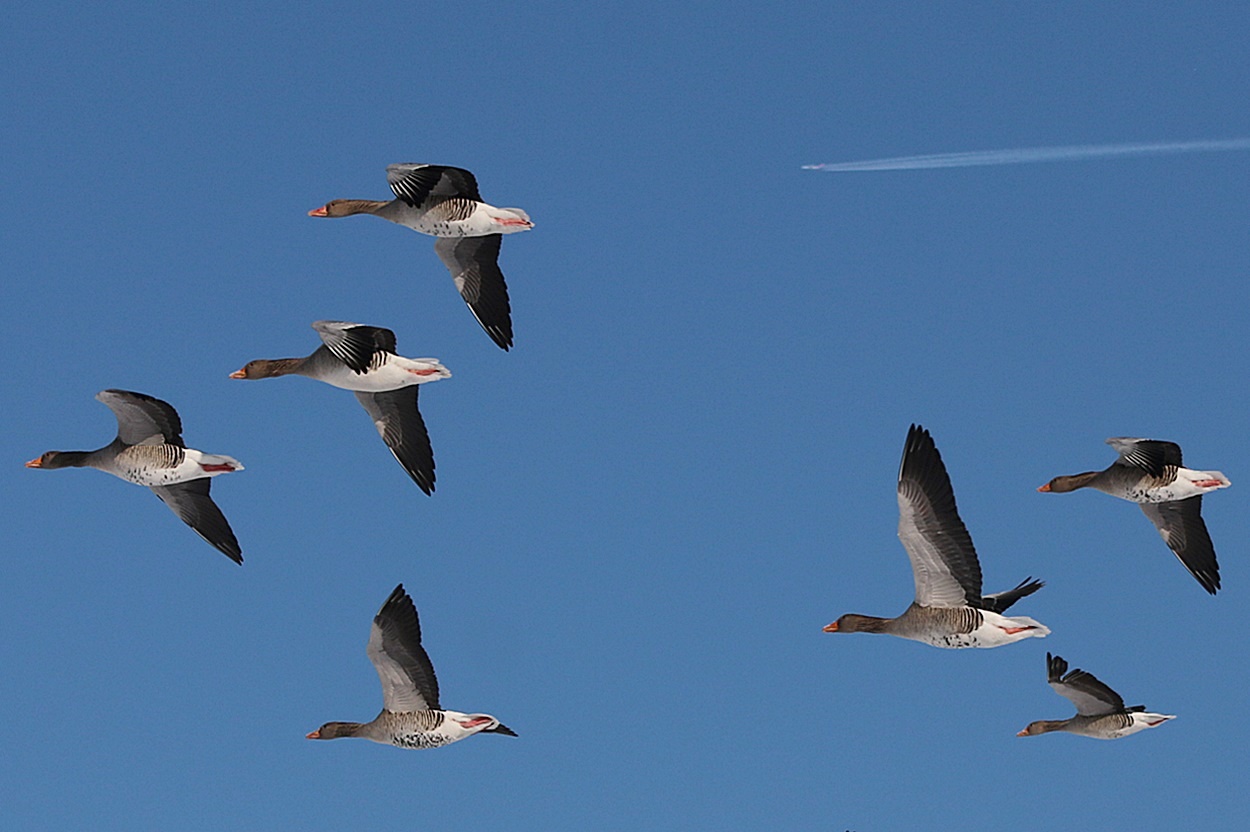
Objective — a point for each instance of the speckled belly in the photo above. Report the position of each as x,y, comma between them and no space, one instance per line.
422,740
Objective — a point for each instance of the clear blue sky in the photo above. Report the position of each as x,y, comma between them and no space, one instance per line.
649,508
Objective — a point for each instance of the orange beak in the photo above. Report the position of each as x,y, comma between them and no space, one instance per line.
1044,488
37,462
831,628
318,212
238,374
1023,734
315,735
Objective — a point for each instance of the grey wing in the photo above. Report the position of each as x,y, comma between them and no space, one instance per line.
1090,696
143,419
1153,456
474,266
1182,528
399,422
943,559
414,183
361,348
404,668
190,501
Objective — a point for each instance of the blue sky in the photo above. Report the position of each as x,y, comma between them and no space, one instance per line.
649,508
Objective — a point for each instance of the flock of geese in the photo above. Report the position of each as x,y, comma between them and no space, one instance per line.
949,609
149,450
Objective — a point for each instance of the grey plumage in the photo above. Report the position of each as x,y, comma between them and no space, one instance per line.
149,451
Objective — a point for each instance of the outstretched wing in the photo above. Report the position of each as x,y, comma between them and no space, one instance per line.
1090,696
143,419
1000,601
404,668
1182,528
399,422
474,266
190,501
943,559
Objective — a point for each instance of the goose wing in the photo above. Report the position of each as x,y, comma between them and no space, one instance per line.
361,348
143,419
1182,528
943,558
414,183
1090,696
1154,456
399,422
405,669
474,266
190,501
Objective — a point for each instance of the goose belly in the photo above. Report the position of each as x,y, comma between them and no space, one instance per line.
446,730
422,739
1185,485
154,465
437,224
396,373
994,630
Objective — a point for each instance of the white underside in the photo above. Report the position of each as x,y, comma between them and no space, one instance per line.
992,632
1141,721
478,224
396,373
450,731
192,468
1182,488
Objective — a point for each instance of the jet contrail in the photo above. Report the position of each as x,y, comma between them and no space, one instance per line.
1025,155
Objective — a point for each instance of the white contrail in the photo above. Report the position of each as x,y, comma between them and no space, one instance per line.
1025,155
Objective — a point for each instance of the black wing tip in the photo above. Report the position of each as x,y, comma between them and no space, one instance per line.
502,339
426,484
398,600
1055,668
923,462
424,479
918,439
398,605
1003,601
1209,581
228,546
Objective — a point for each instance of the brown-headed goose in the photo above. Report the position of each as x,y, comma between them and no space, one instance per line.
411,717
444,202
1149,472
149,451
362,359
1100,712
949,610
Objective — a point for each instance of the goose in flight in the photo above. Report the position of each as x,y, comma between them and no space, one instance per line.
149,451
444,202
1149,472
949,610
411,716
